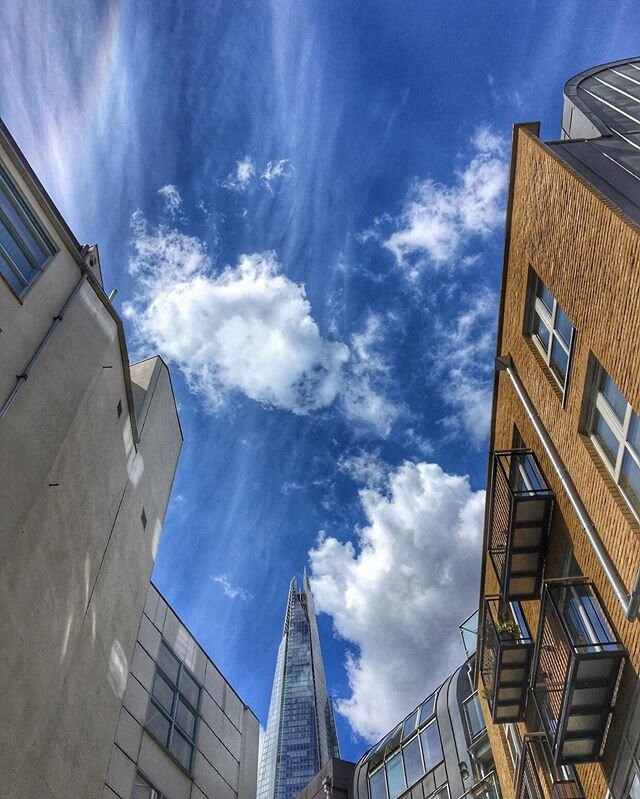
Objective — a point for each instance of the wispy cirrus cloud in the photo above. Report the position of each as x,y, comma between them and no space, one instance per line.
438,221
398,594
232,591
277,169
240,177
173,205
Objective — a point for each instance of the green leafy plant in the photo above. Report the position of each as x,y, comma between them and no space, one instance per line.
508,629
486,693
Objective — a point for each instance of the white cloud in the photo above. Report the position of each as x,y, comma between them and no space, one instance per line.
363,398
248,328
239,179
230,590
399,595
463,367
366,468
277,169
172,201
438,221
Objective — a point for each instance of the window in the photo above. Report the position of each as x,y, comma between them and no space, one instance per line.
173,707
475,719
431,746
143,789
24,246
550,329
614,429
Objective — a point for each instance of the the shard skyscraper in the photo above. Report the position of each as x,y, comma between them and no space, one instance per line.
301,732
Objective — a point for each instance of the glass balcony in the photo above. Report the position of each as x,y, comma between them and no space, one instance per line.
521,504
578,662
505,660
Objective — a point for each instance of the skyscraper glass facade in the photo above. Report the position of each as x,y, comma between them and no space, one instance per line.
301,734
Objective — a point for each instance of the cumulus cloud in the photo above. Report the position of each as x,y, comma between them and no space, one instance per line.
365,468
172,201
462,360
363,395
247,328
241,176
438,221
400,592
231,591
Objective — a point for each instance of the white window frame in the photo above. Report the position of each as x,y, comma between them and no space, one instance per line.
598,404
535,307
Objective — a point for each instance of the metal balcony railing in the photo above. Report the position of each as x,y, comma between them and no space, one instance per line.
577,666
521,504
486,787
529,785
505,660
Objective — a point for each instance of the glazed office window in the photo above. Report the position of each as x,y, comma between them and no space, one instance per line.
172,714
550,329
25,248
143,789
614,429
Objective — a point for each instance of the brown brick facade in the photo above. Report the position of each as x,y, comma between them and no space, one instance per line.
588,255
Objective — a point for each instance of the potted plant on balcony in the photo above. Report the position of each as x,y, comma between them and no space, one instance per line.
508,631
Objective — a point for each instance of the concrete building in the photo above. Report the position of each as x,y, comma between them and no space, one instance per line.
183,732
301,733
560,638
88,451
439,751
333,781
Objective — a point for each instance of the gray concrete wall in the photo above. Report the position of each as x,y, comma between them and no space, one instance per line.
226,756
75,558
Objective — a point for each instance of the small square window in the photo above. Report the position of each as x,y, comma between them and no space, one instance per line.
550,329
614,429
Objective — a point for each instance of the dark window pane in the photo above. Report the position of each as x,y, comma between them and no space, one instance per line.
163,692
563,325
169,663
378,785
185,718
181,749
545,295
412,761
157,724
559,361
630,479
634,432
9,274
606,438
395,776
189,687
474,716
614,396
431,746
427,709
409,725
16,255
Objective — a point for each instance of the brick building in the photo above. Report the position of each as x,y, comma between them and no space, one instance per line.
559,651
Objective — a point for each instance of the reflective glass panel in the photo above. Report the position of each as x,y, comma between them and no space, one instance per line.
630,479
409,725
378,785
545,295
395,776
563,325
559,360
431,746
614,397
634,432
475,718
163,692
606,438
541,331
185,718
189,687
412,761
427,709
157,724
181,749
169,663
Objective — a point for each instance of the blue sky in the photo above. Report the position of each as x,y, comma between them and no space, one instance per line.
301,205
